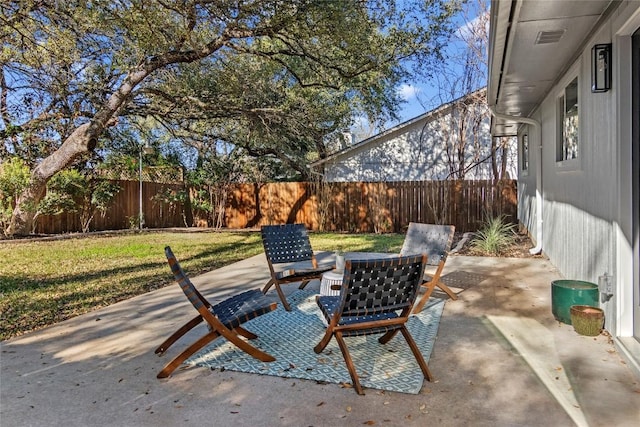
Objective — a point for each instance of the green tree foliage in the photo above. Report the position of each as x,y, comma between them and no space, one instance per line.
72,191
63,189
268,75
211,180
14,178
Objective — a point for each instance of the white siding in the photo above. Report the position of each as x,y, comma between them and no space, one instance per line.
527,183
581,200
412,153
578,197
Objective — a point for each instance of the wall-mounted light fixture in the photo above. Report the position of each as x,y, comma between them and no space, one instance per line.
605,285
601,68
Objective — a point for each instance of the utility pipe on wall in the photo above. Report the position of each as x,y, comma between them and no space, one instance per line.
536,124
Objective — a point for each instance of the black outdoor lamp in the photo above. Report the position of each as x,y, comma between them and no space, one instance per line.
601,68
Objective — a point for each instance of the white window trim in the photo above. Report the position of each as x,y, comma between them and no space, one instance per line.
570,164
524,172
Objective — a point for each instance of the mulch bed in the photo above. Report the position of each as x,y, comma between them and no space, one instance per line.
519,249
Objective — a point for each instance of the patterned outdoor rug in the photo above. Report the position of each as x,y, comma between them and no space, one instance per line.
291,336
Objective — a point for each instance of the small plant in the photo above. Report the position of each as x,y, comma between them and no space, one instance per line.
495,236
134,222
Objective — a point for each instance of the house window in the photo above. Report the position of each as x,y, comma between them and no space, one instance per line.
567,147
525,152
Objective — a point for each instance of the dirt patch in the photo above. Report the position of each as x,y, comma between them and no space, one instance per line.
518,249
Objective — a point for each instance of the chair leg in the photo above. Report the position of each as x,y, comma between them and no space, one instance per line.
349,362
423,300
252,351
430,287
387,336
230,335
285,304
416,353
303,284
177,361
247,334
324,341
447,290
269,284
177,334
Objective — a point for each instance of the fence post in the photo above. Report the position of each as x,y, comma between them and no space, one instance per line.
458,210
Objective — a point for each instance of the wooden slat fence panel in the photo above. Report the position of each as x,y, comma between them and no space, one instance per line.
374,206
344,206
124,211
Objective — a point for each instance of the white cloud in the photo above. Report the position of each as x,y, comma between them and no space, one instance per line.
407,91
468,29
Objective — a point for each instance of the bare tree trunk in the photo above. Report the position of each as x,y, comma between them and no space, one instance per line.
494,152
505,156
85,137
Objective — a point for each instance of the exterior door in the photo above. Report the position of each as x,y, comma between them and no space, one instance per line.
636,182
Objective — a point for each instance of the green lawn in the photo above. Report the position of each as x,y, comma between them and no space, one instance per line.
44,282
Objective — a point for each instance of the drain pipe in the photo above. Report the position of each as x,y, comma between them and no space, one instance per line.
536,124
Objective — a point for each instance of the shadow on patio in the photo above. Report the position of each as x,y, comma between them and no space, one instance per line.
500,359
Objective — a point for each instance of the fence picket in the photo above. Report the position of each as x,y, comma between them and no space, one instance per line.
344,206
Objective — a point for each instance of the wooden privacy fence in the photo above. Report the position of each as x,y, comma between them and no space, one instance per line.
124,211
346,206
371,207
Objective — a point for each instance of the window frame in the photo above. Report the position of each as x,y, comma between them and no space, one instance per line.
524,149
562,161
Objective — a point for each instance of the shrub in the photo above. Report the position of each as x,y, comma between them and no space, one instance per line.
14,178
73,191
495,236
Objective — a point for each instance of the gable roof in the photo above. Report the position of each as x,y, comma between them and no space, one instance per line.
429,116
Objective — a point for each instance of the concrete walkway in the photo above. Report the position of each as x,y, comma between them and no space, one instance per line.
500,359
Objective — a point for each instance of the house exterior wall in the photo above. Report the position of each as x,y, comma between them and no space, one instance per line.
578,193
586,202
527,214
414,152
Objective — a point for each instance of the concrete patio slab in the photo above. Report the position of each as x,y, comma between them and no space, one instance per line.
500,359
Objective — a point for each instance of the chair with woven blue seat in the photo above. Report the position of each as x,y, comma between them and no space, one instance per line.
287,247
376,298
434,240
223,319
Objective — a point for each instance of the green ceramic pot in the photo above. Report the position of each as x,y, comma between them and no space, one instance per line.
565,293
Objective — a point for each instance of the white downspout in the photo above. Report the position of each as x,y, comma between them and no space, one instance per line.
536,124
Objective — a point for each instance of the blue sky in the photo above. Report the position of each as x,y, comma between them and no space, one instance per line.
410,92
415,92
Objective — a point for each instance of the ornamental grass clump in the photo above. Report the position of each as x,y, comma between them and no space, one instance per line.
494,237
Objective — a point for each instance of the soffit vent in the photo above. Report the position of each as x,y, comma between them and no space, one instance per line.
546,37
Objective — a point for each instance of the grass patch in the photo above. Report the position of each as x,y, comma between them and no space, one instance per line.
45,282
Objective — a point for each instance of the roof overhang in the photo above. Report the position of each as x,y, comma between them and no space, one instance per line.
531,44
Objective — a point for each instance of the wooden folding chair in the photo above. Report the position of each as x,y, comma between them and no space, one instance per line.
223,319
435,241
288,244
376,298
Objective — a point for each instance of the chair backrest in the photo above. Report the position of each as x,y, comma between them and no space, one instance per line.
286,243
431,239
187,287
382,285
